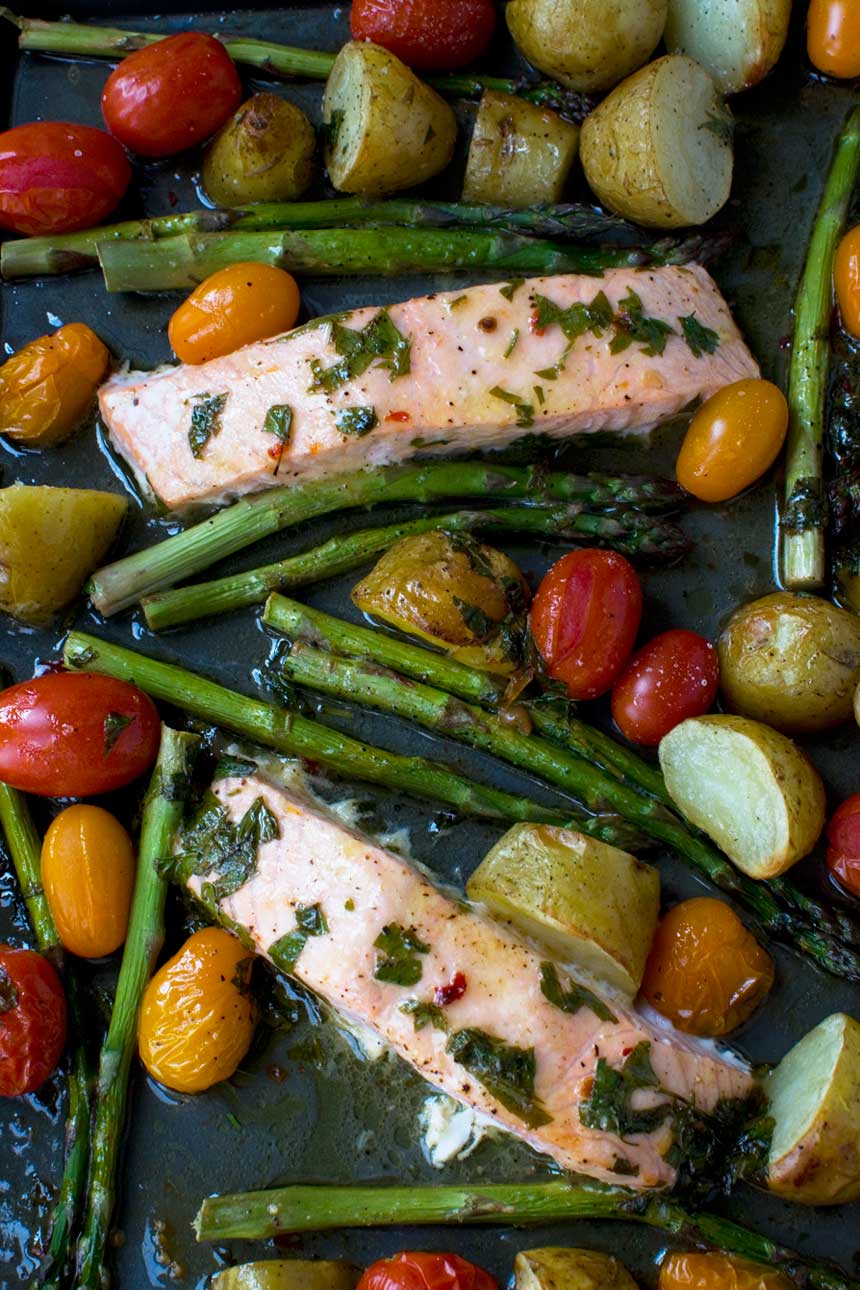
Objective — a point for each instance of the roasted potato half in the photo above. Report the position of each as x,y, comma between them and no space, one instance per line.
592,905
587,44
288,1274
737,41
559,1268
264,153
658,149
51,539
814,1097
793,661
385,128
519,154
748,787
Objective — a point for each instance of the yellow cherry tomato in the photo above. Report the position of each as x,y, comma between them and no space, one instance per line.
232,308
717,1272
197,1017
833,37
88,876
47,387
733,439
846,280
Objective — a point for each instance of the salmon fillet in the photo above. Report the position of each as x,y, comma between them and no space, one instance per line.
364,907
440,374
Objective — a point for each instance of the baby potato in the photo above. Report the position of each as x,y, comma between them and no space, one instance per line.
587,44
386,129
791,660
263,154
814,1096
737,41
658,149
558,1268
520,154
288,1274
748,787
51,539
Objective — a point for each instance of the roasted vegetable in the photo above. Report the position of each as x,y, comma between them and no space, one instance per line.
587,44
846,280
833,37
385,128
815,1103
559,1268
49,385
520,154
791,660
88,874
733,438
658,150
236,306
717,1271
737,41
288,1274
461,595
590,904
264,153
51,539
748,787
32,1020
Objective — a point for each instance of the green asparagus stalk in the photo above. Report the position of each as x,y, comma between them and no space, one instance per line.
439,711
25,850
803,561
293,735
285,1211
126,581
635,535
162,814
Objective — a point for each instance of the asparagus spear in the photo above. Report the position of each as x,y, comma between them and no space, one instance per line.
24,848
295,736
802,555
286,1211
630,532
162,813
123,583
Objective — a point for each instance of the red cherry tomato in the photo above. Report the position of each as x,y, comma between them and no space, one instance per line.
843,844
71,734
171,95
32,1020
56,177
673,677
584,620
431,35
415,1271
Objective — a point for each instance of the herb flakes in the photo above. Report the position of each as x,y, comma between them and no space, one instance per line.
397,962
114,724
213,844
700,339
356,421
8,992
310,921
377,340
425,1014
525,411
205,421
510,289
609,1105
572,999
505,1071
632,325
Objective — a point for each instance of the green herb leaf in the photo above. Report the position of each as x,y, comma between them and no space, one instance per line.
115,723
525,411
478,623
512,343
505,1071
205,421
357,421
577,319
572,999
379,340
721,124
310,921
510,289
609,1108
8,993
457,302
234,768
244,971
633,326
213,844
331,129
397,962
425,1014
701,340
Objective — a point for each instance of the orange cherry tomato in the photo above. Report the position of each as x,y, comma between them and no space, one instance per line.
232,308
846,280
717,1272
47,387
197,1017
706,972
88,875
734,437
833,37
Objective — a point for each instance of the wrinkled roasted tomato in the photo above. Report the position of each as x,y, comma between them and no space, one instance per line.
32,1020
48,385
411,1270
56,177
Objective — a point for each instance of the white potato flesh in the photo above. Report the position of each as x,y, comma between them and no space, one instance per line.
814,1096
738,41
748,787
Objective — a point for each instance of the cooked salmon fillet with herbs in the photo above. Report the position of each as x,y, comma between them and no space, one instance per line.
441,374
479,1012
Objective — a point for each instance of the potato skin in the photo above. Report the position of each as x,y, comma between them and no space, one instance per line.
263,154
790,660
387,129
519,154
708,32
288,1274
587,44
560,1268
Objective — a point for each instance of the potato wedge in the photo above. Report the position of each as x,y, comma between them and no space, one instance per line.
264,153
658,150
748,787
737,41
288,1274
592,905
51,539
559,1268
587,44
519,154
386,128
792,661
814,1097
